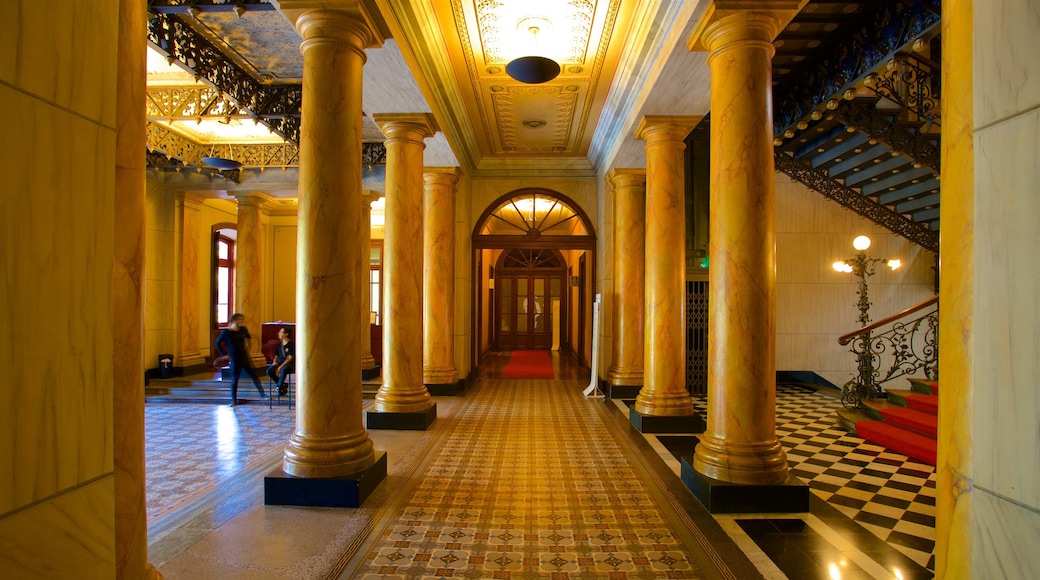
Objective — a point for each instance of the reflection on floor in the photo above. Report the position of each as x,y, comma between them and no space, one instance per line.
524,443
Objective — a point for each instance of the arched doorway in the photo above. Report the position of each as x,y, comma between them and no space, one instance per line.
530,247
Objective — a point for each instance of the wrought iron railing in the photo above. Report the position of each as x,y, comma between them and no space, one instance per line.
890,348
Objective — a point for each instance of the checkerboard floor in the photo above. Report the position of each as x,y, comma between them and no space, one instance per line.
885,493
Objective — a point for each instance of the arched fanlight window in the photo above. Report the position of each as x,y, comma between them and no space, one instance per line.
534,213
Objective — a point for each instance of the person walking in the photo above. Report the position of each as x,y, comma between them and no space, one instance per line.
283,365
233,342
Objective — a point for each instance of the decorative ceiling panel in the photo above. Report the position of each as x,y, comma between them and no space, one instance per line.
262,41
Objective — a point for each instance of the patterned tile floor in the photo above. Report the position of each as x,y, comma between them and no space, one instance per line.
532,483
514,488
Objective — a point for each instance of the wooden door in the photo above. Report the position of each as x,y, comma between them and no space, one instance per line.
524,311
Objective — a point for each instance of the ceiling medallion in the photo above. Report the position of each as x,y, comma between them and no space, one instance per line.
534,123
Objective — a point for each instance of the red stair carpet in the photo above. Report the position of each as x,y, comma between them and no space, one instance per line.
528,364
910,430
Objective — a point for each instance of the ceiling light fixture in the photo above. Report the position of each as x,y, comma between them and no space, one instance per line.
533,69
222,163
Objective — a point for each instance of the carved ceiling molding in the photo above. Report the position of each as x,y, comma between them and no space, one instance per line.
493,31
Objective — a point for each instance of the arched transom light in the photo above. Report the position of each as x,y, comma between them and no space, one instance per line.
533,212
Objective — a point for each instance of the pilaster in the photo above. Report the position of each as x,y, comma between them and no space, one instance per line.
249,292
186,257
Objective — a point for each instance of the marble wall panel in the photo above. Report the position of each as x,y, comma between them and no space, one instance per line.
1007,315
84,519
74,43
283,281
57,268
1006,40
1004,538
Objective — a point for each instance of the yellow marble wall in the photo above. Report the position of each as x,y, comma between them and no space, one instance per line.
57,153
1006,86
283,269
815,304
161,326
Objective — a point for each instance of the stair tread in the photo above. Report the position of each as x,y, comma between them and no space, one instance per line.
905,441
911,418
929,386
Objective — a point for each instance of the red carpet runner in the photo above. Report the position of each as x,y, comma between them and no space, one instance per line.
910,430
528,364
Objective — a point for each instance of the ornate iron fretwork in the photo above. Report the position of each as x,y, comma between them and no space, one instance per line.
865,117
908,347
180,103
167,143
697,337
847,197
885,29
185,6
277,106
910,85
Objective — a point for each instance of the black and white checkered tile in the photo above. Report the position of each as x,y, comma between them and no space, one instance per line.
885,492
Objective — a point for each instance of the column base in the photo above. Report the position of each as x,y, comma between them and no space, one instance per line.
621,391
417,421
667,423
446,390
721,497
369,374
351,490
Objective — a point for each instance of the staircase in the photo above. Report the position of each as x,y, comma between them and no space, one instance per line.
907,422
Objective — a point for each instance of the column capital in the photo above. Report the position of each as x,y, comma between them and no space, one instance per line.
657,128
441,175
627,176
727,21
406,126
190,200
333,20
252,198
370,196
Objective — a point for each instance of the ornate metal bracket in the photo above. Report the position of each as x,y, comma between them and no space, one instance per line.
910,85
819,180
865,117
884,30
277,106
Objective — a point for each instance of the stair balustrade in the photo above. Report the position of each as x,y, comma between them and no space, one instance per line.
899,345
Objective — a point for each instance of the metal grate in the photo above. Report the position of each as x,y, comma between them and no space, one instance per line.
697,337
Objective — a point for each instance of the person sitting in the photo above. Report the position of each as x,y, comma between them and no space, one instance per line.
283,365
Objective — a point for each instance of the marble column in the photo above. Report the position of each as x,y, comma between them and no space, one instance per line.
439,276
249,289
629,259
186,296
403,390
368,362
330,439
664,301
740,445
131,522
954,471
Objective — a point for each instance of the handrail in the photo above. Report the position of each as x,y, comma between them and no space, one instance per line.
847,338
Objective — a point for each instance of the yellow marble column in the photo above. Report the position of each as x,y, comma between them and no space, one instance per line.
629,259
368,362
330,439
131,523
664,301
249,290
403,390
186,297
439,276
955,474
740,444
